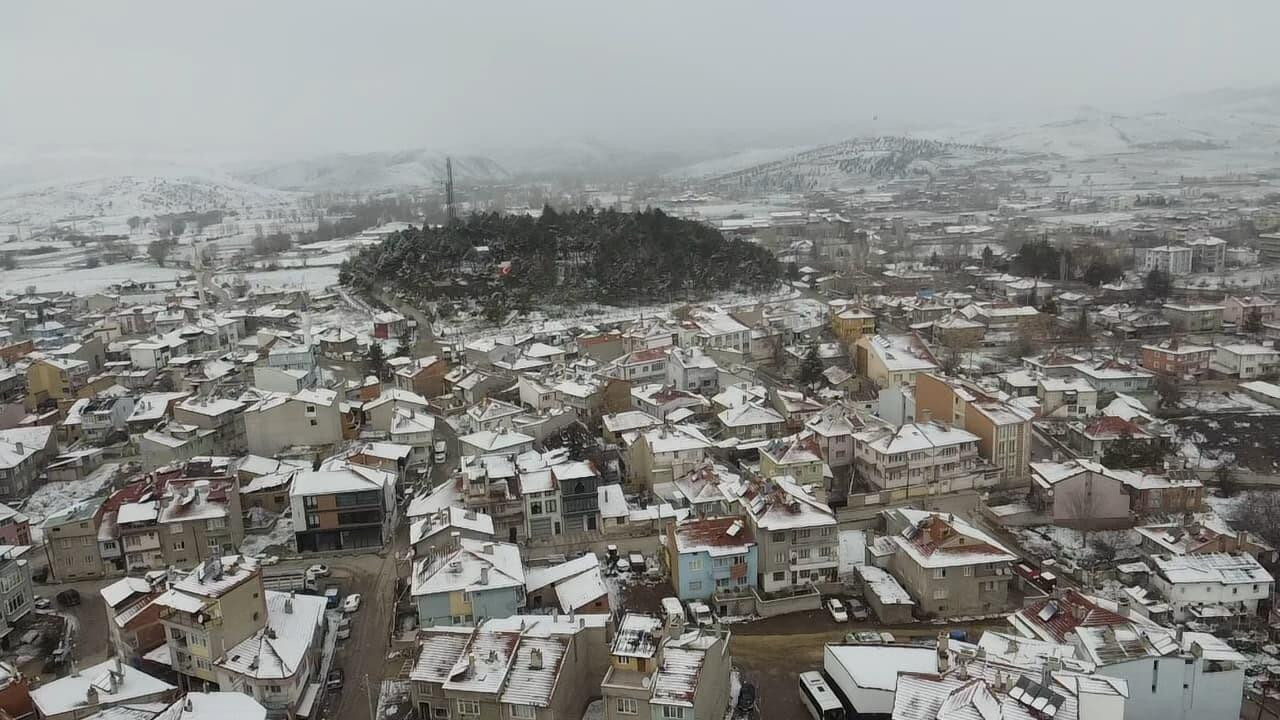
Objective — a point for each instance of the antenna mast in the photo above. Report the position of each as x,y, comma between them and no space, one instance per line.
451,209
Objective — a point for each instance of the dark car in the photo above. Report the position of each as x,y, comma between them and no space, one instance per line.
40,575
68,598
335,679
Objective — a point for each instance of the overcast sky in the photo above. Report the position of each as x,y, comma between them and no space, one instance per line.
269,76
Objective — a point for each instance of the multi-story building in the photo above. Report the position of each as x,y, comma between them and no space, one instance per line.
1194,317
1066,397
1239,309
71,541
209,612
714,328
693,370
276,663
1090,439
705,556
102,416
641,366
489,485
1208,254
17,596
423,376
796,458
947,565
531,667
438,532
832,432
750,421
1171,357
892,361
221,415
1269,247
542,504
795,534
57,379
308,418
665,453
1003,428
133,620
1079,494
851,324
1171,259
929,456
668,672
479,580
108,688
342,506
1245,361
24,454
1115,376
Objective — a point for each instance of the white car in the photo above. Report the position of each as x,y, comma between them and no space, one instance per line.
836,609
265,560
352,603
318,571
42,603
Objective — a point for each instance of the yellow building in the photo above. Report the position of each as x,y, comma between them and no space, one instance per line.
1003,428
892,361
56,379
852,323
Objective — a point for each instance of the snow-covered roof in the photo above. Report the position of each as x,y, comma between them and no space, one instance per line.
940,540
68,694
344,479
611,501
476,566
913,437
490,441
748,415
1220,568
450,518
885,587
278,650
123,589
781,504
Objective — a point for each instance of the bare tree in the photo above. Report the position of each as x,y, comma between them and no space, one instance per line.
1259,513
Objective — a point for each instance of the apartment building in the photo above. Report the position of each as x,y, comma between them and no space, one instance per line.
438,532
892,361
1171,357
276,663
796,535
133,620
1079,493
209,612
423,376
489,485
342,506
851,324
531,667
832,431
102,416
1066,397
662,454
927,455
223,416
24,454
705,556
71,541
1208,254
750,421
947,565
307,418
797,458
1201,587
17,595
663,670
57,379
1245,360
1171,259
1238,309
1003,428
1194,317
477,581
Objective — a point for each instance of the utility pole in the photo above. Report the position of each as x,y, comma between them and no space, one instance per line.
373,709
451,210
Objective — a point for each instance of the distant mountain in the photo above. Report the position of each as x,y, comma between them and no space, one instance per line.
400,170
848,163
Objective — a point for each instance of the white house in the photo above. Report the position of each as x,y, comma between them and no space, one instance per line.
1234,582
1245,361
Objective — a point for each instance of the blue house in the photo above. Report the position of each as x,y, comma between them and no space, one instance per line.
481,579
710,555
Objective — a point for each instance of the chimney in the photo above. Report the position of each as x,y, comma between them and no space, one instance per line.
113,681
484,575
91,696
288,603
1122,607
187,706
944,652
488,548
1051,665
535,659
936,529
119,666
17,447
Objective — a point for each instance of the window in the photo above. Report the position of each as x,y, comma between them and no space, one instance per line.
940,594
695,564
779,576
939,573
522,711
780,556
671,711
804,534
804,553
535,508
779,537
14,603
216,524
695,585
175,529
313,520
309,501
825,551
627,706
968,571
179,545
826,531
468,707
441,712
551,506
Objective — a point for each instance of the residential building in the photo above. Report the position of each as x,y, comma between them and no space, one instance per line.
1245,361
281,658
1170,673
892,361
531,667
1090,439
479,580
670,673
1003,428
15,528
1208,254
1069,397
307,418
542,504
1239,309
797,542
1269,247
96,689
573,586
209,612
221,415
17,596
491,414
614,425
929,457
423,376
714,328
1194,317
504,442
693,370
750,421
1193,585
1115,376
415,430
342,506
71,538
1171,357
705,556
667,403
832,431
24,454
440,531
57,379
797,458
851,324
1079,493
659,455
1171,259
489,484
103,416
947,565
133,620
640,366
380,411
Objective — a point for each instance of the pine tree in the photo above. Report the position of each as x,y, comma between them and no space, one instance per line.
375,361
811,368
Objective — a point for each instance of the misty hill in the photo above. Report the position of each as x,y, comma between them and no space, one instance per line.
398,170
851,162
516,261
121,197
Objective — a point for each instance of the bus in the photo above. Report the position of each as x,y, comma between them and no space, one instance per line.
818,698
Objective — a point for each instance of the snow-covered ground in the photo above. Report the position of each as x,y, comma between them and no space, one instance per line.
853,550
280,536
55,496
1046,541
313,278
1189,450
84,281
1211,401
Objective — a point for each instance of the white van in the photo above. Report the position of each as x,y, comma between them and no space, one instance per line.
673,610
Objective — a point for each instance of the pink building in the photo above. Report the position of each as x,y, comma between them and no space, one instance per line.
15,529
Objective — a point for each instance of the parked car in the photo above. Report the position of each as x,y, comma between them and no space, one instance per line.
857,610
318,571
42,603
441,452
700,613
637,561
68,598
335,679
869,637
331,597
352,603
624,565
836,609
267,560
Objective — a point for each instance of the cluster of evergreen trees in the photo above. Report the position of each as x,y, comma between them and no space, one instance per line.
580,255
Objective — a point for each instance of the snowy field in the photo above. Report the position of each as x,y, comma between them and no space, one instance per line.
84,280
308,278
280,536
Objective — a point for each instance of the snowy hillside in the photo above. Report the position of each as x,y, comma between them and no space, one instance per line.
852,162
121,197
374,171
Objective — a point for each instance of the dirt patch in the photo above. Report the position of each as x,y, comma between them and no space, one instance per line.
1248,438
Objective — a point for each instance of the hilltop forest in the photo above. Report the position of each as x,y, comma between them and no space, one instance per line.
517,261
